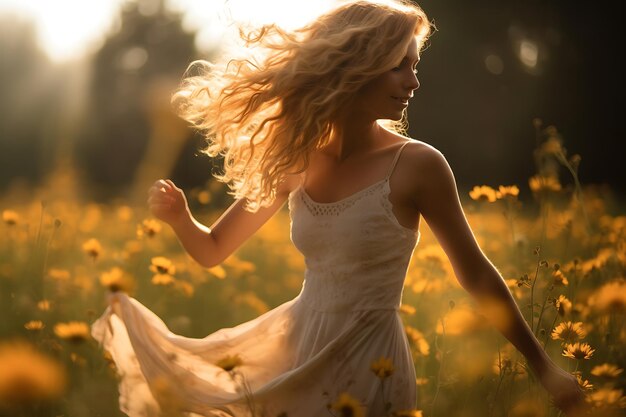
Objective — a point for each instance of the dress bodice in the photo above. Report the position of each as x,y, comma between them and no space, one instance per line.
356,252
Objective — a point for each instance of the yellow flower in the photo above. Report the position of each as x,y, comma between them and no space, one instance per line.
162,279
540,184
43,305
583,383
73,331
606,370
551,146
184,287
563,305
228,363
421,381
162,265
149,228
347,406
28,375
569,331
559,278
116,279
407,413
483,192
10,217
578,351
204,197
507,191
417,338
92,248
59,274
611,297
124,213
407,309
607,397
34,325
218,271
382,367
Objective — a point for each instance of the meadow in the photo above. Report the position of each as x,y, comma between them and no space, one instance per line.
561,251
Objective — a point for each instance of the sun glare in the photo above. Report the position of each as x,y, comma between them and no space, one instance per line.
211,19
66,29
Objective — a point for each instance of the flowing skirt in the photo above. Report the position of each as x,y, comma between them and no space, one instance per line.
294,361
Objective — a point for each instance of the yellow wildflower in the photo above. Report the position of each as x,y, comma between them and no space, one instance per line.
28,375
569,331
184,287
92,248
407,413
149,228
239,264
540,184
382,367
204,197
73,331
578,351
228,363
606,370
218,271
347,406
34,325
421,381
461,320
483,192
419,341
611,297
163,279
407,309
162,265
551,146
559,279
124,213
116,279
59,274
10,217
507,191
583,383
563,305
607,397
43,305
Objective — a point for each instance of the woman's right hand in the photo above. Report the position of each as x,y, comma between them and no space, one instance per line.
167,202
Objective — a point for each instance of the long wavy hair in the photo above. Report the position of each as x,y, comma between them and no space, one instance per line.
266,111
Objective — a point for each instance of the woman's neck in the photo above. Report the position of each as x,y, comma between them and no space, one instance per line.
352,139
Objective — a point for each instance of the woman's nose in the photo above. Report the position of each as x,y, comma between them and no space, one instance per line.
413,83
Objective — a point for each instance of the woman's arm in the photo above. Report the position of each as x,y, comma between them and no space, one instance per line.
436,198
209,246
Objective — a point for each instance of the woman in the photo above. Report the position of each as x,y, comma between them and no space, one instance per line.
303,121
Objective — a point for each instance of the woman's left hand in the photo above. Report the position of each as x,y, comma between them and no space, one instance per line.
565,391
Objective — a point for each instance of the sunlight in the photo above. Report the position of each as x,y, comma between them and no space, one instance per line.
210,19
65,28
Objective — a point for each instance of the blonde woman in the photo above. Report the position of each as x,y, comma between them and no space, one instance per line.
311,118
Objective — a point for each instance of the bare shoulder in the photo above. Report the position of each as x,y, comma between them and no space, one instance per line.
423,158
427,170
290,183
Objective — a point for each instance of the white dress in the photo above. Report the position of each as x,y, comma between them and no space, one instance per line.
300,356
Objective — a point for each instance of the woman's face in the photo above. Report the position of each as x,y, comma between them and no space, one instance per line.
386,96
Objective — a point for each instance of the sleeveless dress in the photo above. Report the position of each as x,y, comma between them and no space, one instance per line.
300,356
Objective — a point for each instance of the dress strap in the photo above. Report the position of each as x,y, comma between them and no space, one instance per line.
395,160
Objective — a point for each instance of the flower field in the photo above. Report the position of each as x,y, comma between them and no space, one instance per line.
561,250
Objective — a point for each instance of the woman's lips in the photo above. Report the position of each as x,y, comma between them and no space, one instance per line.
403,100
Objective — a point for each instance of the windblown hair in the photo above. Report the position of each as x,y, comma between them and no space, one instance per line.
267,111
